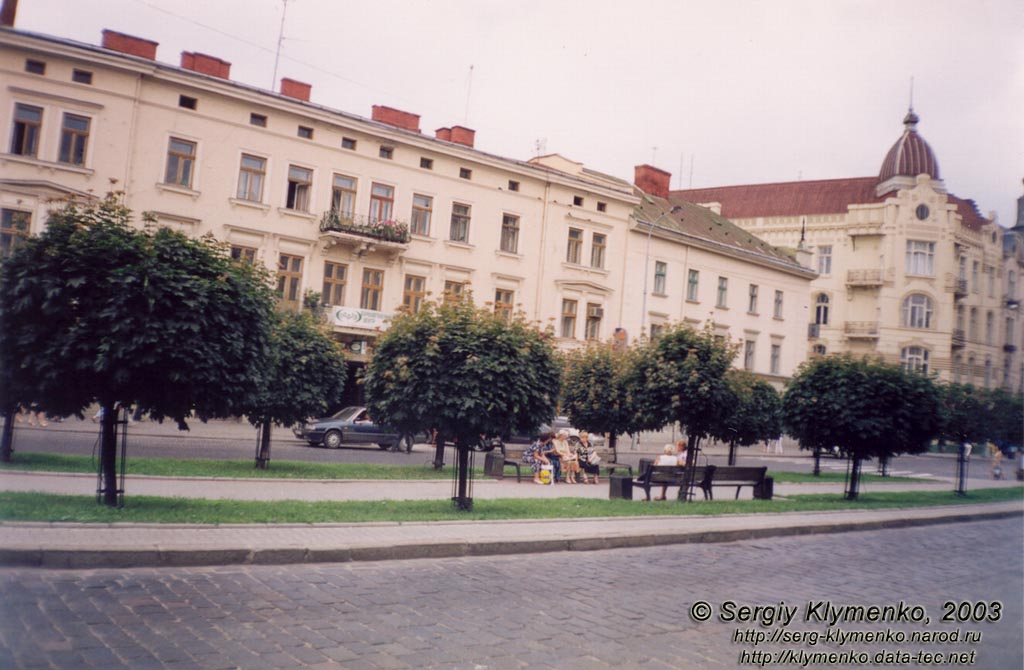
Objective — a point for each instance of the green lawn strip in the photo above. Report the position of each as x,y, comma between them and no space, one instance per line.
807,477
150,509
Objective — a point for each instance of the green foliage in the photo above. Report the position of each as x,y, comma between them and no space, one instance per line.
756,413
1007,419
866,407
595,392
463,371
96,310
680,377
966,413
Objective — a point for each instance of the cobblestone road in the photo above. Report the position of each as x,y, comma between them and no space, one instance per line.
621,609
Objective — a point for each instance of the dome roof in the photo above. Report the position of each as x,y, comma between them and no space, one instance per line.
911,155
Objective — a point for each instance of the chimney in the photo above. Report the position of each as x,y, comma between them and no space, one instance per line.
444,134
650,179
7,12
295,89
396,117
463,135
204,64
129,44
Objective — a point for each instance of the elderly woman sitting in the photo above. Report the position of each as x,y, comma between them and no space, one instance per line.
535,455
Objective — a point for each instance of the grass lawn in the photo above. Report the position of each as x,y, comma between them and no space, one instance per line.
147,509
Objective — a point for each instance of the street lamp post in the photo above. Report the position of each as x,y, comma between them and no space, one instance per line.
647,264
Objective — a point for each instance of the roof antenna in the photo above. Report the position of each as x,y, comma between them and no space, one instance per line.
280,40
911,93
803,230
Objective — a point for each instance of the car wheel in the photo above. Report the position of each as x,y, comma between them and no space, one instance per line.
384,446
332,440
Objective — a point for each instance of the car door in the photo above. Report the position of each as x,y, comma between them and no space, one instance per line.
363,431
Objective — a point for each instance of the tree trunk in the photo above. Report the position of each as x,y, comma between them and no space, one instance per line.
732,452
612,438
108,454
263,455
463,501
438,451
853,482
692,444
7,437
817,462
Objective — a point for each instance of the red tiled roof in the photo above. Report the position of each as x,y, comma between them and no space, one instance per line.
968,211
823,196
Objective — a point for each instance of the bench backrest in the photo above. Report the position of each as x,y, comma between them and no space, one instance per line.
735,473
659,474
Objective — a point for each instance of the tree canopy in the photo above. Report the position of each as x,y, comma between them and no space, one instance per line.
755,414
595,392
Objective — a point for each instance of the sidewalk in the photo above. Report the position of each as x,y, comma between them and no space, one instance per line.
70,545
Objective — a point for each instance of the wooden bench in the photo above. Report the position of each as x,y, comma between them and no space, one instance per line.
731,475
514,458
674,475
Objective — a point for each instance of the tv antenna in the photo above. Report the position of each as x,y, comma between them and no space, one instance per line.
280,41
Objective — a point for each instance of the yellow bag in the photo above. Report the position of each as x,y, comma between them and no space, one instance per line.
545,474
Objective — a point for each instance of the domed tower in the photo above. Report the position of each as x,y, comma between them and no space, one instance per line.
909,157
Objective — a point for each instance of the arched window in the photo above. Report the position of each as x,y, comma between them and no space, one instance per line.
821,310
958,364
988,373
990,325
915,359
917,311
972,369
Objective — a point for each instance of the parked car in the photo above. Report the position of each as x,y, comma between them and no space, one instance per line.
352,425
560,422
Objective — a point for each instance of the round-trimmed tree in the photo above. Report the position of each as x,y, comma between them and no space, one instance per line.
595,391
755,415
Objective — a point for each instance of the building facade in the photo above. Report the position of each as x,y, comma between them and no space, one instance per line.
906,269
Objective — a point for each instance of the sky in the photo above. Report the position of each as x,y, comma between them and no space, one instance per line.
717,92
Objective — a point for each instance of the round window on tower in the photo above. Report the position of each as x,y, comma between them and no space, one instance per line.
922,212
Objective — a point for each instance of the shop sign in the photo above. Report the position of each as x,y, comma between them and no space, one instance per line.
350,317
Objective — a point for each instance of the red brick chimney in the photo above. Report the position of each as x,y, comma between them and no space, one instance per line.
129,44
295,89
204,64
7,13
443,134
463,135
650,179
396,117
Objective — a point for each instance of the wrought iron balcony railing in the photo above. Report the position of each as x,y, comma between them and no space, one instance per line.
959,338
389,230
864,277
861,329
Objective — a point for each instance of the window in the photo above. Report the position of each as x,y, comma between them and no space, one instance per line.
335,278
917,311
821,310
181,158
974,277
657,330
958,368
460,223
382,200
1011,285
35,66
988,373
305,132
723,293
513,185
778,305
990,324
510,233
242,254
914,359
386,152
602,206
503,303
776,358
692,285
963,268
343,196
660,276
289,279
187,101
593,326
825,260
250,178
752,299
13,229
258,120
597,249
972,370
454,290
1009,331
81,76
414,294
569,308
748,354
25,135
422,208
819,350
300,181
960,319
577,201
74,136
574,248
991,272
426,163
348,143
920,258
465,173
373,281
973,332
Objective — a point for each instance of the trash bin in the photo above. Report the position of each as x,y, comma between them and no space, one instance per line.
494,464
765,490
620,486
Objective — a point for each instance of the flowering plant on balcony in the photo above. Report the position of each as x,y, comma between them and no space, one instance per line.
388,230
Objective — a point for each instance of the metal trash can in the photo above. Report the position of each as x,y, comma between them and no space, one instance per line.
620,486
765,490
494,464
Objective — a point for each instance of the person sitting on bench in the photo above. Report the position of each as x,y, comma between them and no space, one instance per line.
667,458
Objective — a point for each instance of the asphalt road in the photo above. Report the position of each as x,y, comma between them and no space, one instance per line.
630,608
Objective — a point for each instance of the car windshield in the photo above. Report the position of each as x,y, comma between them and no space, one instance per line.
348,414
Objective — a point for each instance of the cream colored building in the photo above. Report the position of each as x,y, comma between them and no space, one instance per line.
371,213
906,269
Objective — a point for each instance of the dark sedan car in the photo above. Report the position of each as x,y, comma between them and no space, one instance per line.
351,425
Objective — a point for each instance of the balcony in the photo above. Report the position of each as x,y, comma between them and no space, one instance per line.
956,286
362,234
959,339
813,331
1009,348
1011,302
861,330
864,278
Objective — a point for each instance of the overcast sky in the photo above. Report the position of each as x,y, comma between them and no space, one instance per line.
717,92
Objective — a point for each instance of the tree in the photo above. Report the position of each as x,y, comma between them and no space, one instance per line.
95,310
680,377
304,376
1007,420
465,372
966,413
866,407
595,393
755,415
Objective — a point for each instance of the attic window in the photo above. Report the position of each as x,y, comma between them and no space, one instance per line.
81,76
513,185
305,132
387,152
426,163
35,66
577,200
257,120
602,207
348,143
465,173
187,102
